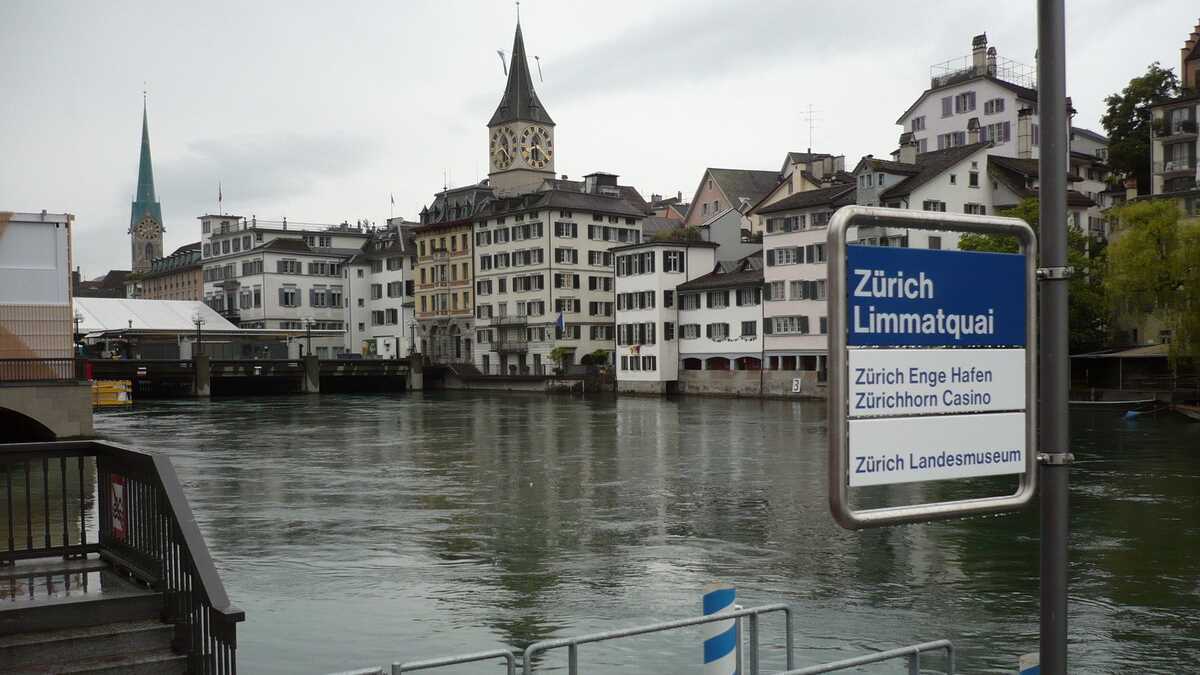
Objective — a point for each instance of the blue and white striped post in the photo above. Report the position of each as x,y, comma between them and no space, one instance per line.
720,637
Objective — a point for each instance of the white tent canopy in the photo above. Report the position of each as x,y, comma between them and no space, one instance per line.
113,314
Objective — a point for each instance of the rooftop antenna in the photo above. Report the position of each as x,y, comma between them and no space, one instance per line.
538,59
503,61
518,3
811,117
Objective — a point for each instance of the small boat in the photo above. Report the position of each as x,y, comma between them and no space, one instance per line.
1188,410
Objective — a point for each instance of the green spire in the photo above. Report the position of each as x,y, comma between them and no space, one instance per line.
145,203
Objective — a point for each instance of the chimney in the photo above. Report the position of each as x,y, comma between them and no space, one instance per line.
991,61
979,53
817,169
908,148
1131,191
679,195
973,130
1025,133
654,197
564,177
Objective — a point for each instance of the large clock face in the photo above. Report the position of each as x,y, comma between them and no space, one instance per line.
502,148
536,147
147,228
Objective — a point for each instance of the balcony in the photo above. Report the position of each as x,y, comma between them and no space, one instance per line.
512,346
1181,127
510,320
439,254
1185,165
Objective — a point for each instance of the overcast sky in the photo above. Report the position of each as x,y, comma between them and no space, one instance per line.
318,111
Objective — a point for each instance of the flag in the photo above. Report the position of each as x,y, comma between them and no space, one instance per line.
220,196
561,322
393,199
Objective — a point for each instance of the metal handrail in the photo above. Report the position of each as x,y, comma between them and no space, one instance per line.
912,652
751,614
67,369
510,661
160,542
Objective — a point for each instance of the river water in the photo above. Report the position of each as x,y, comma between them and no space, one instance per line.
360,530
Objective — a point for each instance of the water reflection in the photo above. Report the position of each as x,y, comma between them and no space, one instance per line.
359,530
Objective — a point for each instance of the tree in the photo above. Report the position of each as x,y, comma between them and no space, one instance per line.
1127,120
678,233
1154,269
561,355
1087,305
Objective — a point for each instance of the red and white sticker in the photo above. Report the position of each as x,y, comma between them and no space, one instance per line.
120,514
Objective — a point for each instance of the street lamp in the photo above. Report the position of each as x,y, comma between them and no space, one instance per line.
199,321
78,320
308,324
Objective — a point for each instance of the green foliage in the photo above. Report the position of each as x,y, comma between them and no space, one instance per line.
560,355
1127,121
1154,269
679,233
1088,305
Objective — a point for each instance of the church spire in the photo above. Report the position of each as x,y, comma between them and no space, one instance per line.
145,202
145,188
519,101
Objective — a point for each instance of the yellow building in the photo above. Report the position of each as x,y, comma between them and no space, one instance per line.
444,298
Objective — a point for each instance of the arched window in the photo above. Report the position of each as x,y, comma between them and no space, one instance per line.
149,251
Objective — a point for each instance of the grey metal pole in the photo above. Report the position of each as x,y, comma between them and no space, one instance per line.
1053,373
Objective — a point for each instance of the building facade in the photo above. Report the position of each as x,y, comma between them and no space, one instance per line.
381,321
35,286
269,275
443,294
647,312
721,317
1174,168
179,276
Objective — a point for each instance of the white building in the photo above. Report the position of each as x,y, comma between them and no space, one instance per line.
260,274
721,317
35,285
795,276
380,319
542,256
647,314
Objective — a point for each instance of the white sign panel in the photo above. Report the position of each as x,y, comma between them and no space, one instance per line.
917,381
910,449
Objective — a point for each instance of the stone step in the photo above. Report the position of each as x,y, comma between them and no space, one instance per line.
138,663
83,644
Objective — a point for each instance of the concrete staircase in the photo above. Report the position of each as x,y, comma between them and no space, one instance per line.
81,617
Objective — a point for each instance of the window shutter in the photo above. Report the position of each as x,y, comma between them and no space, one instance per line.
708,331
768,324
281,300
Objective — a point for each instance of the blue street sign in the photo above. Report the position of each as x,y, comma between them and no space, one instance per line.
907,297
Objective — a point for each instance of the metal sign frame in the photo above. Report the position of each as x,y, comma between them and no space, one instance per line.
867,216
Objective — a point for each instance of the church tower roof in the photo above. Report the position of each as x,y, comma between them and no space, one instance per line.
519,101
145,202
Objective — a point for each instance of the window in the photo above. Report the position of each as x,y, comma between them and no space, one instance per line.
998,133
289,296
673,261
973,179
933,205
789,325
668,298
964,102
775,291
689,301
953,179
718,299
288,266
749,328
935,243
993,106
566,255
566,230
668,331
978,209
947,109
918,123
395,289
649,363
689,331
788,255
376,291
717,331
747,297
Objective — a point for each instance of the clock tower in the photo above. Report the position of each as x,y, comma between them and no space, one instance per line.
520,133
145,222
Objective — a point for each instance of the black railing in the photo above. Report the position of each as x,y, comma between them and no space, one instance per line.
42,370
144,526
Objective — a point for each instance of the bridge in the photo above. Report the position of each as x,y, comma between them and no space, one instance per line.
166,378
44,400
